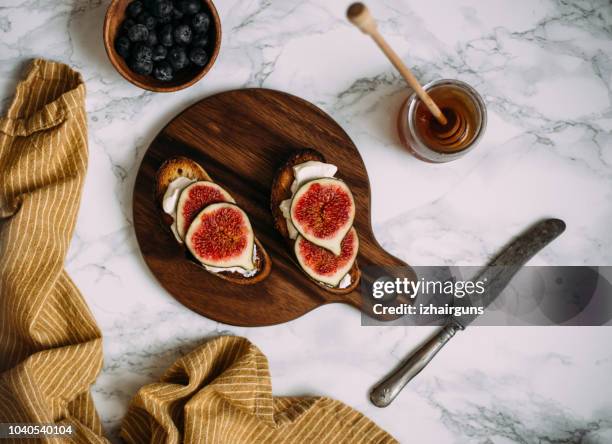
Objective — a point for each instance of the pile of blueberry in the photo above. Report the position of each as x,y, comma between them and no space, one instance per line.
161,37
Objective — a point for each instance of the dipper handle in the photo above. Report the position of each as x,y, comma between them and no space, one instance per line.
359,15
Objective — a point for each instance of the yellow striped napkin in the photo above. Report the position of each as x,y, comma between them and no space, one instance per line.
221,393
50,345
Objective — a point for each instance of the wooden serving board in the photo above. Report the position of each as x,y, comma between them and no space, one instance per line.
241,138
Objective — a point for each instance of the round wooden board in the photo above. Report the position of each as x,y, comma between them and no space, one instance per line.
241,138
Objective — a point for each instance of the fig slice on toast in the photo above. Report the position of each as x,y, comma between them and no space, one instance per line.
221,236
182,171
321,264
193,199
323,211
281,191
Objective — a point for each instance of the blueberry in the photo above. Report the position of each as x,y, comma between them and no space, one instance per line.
138,33
163,71
142,53
122,46
182,34
165,19
190,7
200,22
148,20
144,67
165,35
177,14
199,40
178,58
149,4
152,39
135,8
159,53
198,56
126,25
162,8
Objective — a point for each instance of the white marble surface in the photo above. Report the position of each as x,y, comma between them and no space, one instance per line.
545,70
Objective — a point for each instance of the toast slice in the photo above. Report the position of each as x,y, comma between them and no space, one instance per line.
180,166
281,190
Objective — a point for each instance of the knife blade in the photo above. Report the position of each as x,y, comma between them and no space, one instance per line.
496,277
502,268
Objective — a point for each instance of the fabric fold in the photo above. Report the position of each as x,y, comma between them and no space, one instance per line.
221,393
50,345
43,99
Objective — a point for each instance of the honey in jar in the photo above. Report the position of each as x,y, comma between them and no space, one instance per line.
428,139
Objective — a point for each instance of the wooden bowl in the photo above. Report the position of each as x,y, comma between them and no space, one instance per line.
115,15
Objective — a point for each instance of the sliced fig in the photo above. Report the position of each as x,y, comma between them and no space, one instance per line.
321,264
193,199
323,211
221,236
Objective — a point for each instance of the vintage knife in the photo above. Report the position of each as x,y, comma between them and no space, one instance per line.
498,274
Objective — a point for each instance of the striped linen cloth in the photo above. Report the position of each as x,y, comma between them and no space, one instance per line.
50,345
222,393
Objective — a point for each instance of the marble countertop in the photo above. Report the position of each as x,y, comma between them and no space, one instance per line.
545,71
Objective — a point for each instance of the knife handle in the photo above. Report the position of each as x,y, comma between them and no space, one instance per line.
385,392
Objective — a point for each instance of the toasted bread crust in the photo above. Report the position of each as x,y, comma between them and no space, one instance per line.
178,166
172,169
281,190
281,187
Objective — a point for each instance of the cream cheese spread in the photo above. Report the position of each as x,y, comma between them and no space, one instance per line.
239,270
346,281
170,200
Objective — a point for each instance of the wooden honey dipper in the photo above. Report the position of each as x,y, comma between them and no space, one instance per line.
450,128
